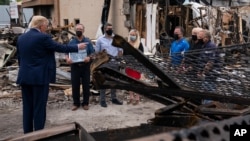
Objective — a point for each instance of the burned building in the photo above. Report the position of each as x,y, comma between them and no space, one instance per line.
223,80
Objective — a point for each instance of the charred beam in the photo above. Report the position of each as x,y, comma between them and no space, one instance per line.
224,112
157,93
121,42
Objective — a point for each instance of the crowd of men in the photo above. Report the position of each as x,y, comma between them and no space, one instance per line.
197,56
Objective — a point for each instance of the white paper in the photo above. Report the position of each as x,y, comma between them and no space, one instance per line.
78,57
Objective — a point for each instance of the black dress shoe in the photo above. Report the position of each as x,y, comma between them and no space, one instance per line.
116,101
85,107
103,104
74,108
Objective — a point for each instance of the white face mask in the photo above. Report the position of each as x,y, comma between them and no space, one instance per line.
132,38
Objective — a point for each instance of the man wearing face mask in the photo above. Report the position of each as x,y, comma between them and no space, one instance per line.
104,43
178,47
208,54
80,70
200,36
207,61
195,43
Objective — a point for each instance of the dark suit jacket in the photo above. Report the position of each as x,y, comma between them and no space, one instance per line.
36,58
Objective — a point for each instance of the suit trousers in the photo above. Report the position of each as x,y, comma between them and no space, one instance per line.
35,99
80,74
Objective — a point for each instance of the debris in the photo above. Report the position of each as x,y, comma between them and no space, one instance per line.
7,51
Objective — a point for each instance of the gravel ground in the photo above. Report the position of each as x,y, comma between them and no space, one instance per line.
95,119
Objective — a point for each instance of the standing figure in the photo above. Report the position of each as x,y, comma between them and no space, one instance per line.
178,47
104,43
37,68
134,40
208,63
191,58
208,54
80,70
196,42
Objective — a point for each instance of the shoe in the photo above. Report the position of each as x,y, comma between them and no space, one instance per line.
136,102
85,107
103,104
74,108
116,101
129,101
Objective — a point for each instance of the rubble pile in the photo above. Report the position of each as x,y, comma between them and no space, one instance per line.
10,93
197,90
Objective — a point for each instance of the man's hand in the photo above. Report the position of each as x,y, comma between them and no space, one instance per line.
182,53
68,60
82,46
201,75
86,60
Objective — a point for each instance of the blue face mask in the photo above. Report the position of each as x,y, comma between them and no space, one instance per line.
132,38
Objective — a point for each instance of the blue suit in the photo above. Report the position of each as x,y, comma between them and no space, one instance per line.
37,68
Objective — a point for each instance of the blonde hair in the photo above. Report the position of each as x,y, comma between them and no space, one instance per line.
38,21
196,30
137,42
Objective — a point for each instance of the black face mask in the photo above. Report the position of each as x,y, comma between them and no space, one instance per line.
194,37
78,33
176,36
109,32
200,41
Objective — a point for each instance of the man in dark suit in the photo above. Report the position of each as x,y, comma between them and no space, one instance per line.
37,68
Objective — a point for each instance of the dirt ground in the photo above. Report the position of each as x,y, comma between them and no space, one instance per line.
95,119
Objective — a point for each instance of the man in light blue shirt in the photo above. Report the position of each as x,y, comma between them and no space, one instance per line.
105,43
